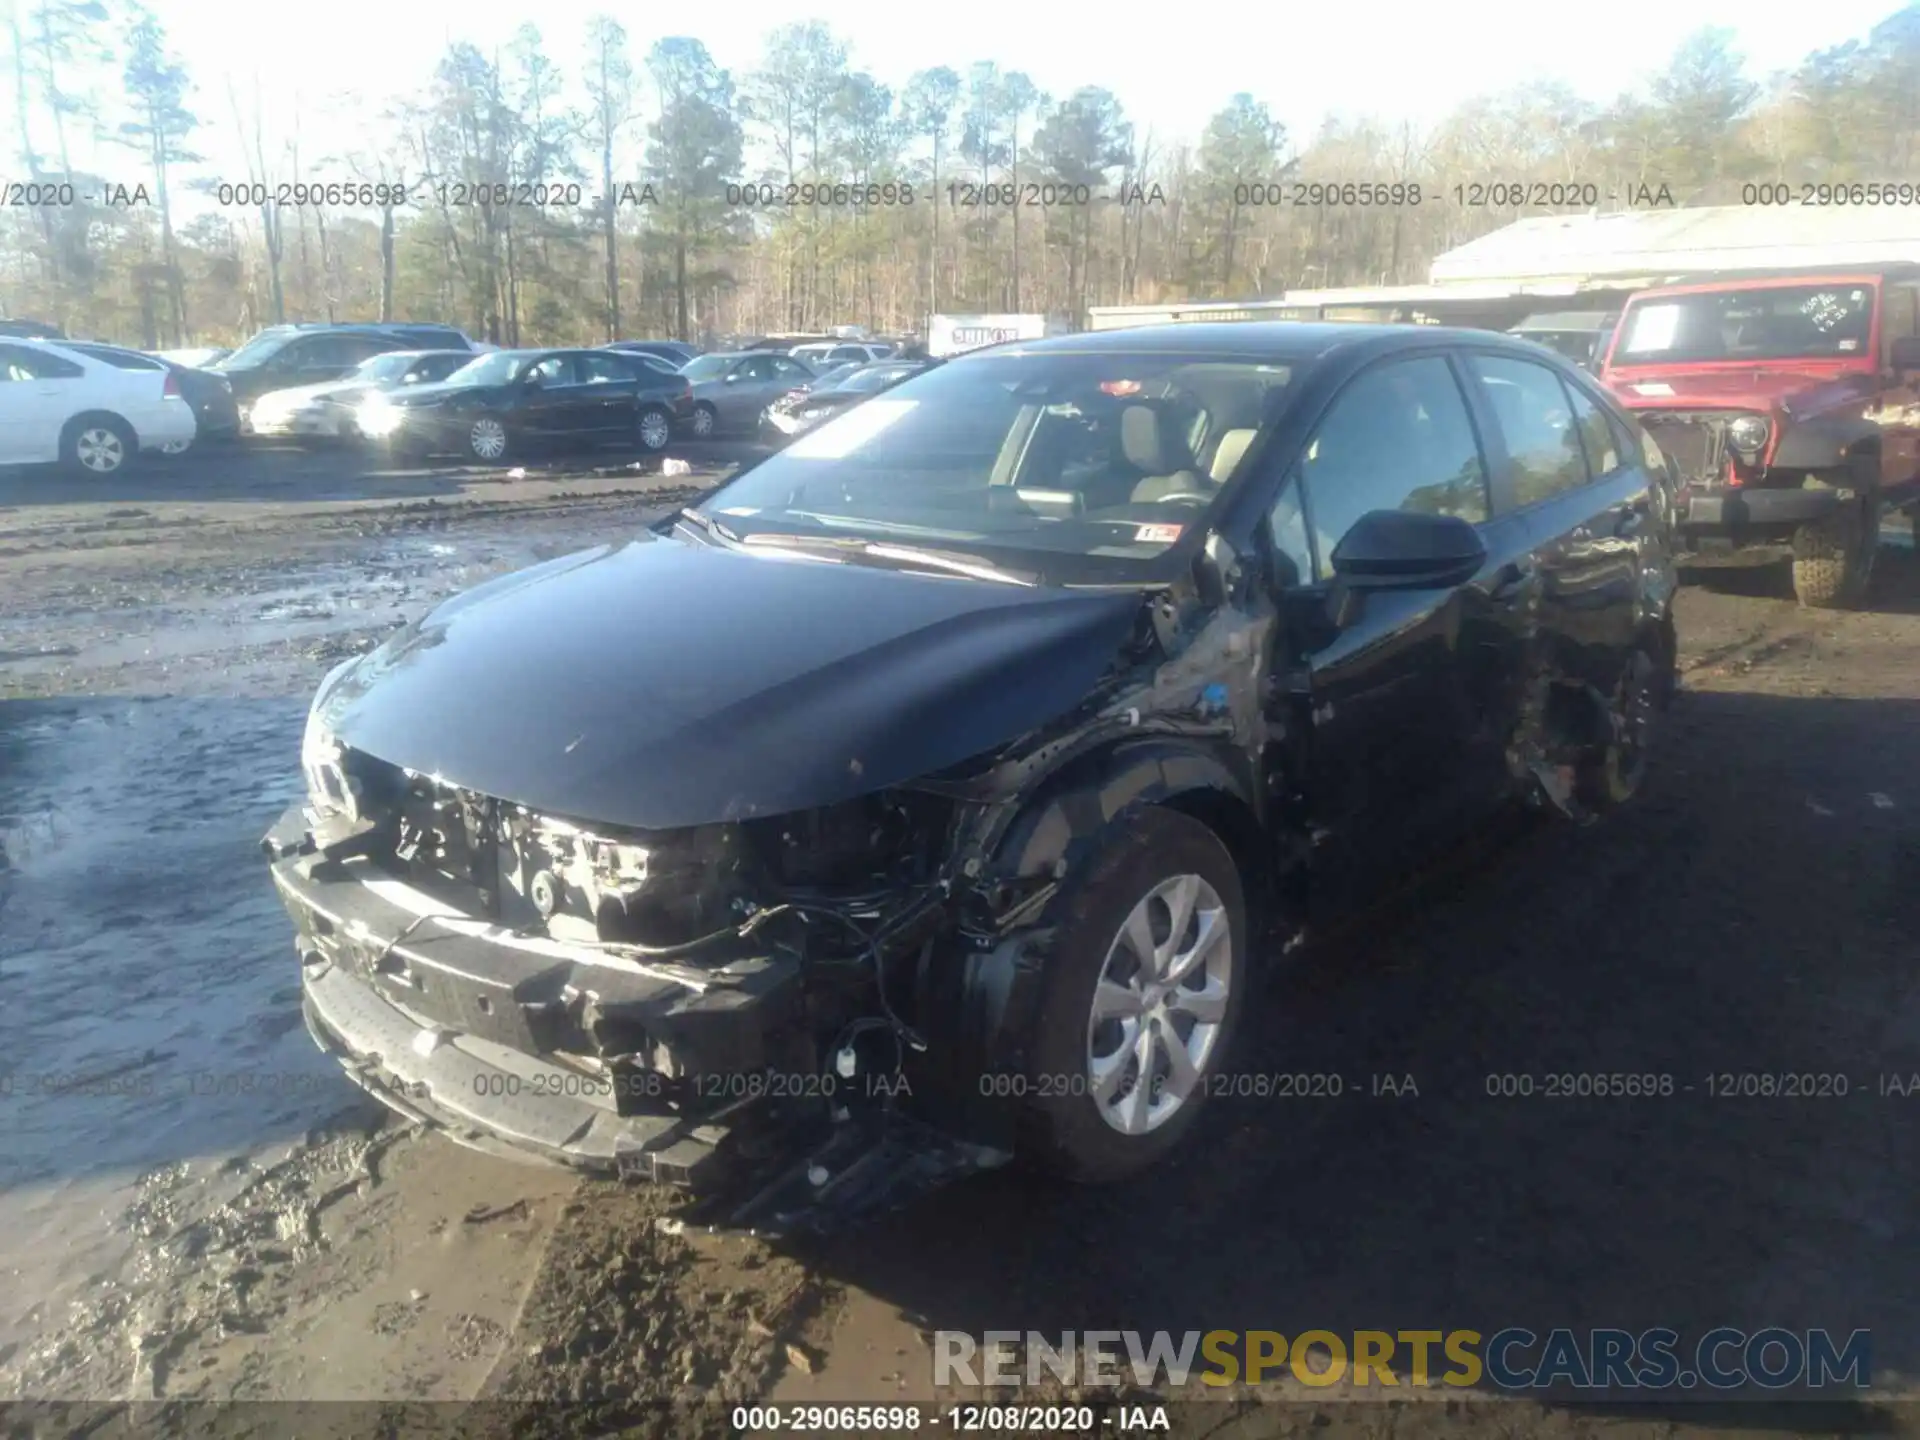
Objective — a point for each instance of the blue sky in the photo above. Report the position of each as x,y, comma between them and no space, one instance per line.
340,60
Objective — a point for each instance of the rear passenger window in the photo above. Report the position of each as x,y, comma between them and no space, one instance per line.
1537,420
21,362
1596,434
1397,438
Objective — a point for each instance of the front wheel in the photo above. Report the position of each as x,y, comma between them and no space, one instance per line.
487,438
1140,999
1618,771
705,421
97,445
1833,558
655,430
176,447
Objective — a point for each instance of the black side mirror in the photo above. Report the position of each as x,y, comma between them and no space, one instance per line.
1906,353
1408,550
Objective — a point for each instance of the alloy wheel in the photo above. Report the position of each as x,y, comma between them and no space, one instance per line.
655,430
488,438
176,447
1158,1005
703,422
100,450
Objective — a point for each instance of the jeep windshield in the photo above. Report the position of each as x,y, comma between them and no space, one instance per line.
1775,322
1080,467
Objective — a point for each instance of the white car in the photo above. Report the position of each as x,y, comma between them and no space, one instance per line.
92,417
821,354
328,408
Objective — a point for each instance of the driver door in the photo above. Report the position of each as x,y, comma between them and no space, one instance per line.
1898,412
551,404
1410,701
747,390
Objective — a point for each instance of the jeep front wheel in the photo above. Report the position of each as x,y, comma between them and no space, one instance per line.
1833,558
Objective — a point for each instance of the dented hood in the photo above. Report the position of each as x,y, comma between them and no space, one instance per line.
661,684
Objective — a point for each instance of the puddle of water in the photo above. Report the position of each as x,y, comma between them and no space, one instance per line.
149,999
377,591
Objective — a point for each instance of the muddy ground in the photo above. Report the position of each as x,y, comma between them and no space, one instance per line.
194,1205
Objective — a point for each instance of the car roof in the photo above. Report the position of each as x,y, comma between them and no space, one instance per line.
1555,321
1278,341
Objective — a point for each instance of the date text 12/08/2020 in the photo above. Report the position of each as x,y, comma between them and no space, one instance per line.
448,194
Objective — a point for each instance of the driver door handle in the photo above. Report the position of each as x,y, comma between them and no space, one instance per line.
1511,579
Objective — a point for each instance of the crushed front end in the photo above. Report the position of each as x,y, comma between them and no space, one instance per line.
725,1008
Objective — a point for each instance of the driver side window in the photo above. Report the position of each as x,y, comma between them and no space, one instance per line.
1397,438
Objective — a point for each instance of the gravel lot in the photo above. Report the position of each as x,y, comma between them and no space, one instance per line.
193,1205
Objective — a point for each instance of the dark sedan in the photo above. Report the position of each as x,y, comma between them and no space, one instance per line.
799,411
998,725
214,408
516,400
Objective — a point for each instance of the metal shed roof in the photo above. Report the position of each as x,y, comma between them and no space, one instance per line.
1650,245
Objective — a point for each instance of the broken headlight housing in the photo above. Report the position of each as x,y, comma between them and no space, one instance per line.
329,791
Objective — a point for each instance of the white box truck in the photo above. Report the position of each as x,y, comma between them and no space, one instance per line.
957,334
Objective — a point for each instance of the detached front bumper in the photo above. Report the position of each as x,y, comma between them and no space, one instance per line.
466,1027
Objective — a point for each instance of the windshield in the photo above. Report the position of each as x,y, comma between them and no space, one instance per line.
495,369
261,347
384,367
708,367
1788,322
871,377
1090,463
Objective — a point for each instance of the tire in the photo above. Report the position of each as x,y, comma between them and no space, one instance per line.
1620,769
1085,1119
97,445
706,421
654,429
488,439
1833,559
176,447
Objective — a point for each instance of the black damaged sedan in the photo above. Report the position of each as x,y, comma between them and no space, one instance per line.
926,793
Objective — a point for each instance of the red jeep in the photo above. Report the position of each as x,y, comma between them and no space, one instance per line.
1790,407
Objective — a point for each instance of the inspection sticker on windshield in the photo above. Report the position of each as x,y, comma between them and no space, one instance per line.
1157,534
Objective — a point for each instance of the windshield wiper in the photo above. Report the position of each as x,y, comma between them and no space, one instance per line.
853,547
945,560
